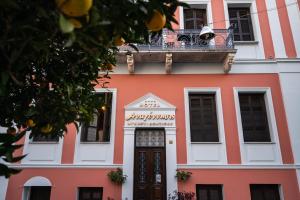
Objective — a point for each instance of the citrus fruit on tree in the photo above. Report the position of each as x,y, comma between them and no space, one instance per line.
157,21
30,123
47,128
119,41
76,23
74,8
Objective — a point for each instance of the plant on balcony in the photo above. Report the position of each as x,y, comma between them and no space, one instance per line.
176,195
117,176
182,175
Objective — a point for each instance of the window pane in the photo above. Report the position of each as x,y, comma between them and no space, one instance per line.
99,129
45,138
40,192
90,193
209,192
246,37
203,118
264,192
188,14
245,26
241,19
189,25
194,18
254,117
232,13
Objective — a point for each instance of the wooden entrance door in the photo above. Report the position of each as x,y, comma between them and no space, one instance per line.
150,165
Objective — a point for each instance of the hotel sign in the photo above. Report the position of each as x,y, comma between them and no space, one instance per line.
150,112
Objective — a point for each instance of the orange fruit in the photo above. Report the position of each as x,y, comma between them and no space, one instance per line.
74,8
157,21
76,23
119,41
47,128
30,123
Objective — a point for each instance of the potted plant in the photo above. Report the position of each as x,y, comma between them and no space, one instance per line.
182,175
117,176
176,195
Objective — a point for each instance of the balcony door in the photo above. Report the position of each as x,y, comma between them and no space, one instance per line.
194,18
150,165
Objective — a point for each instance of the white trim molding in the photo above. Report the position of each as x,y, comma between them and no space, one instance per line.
238,166
136,116
38,181
34,181
197,4
42,152
98,153
259,152
211,152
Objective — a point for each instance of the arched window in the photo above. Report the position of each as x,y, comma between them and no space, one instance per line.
36,188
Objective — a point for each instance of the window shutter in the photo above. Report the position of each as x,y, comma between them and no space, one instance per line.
254,117
264,192
203,119
209,192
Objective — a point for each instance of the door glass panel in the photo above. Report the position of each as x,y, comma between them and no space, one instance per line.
150,138
157,173
142,167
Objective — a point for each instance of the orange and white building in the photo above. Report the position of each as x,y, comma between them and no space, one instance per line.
227,110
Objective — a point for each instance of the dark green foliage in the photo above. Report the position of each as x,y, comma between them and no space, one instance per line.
7,148
48,75
117,176
182,175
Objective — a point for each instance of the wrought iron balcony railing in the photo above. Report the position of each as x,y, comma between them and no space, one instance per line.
187,40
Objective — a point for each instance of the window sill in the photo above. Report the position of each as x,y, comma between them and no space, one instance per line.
94,142
245,42
43,142
205,142
259,143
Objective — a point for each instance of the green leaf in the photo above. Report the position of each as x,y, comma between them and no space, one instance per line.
65,25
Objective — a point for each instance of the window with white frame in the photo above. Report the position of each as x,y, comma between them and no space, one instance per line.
195,18
38,192
98,130
203,117
90,193
254,117
209,192
264,192
45,138
240,19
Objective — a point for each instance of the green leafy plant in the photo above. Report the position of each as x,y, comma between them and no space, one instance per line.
117,176
182,175
7,148
53,57
176,195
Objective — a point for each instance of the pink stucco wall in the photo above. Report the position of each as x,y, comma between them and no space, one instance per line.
65,182
236,182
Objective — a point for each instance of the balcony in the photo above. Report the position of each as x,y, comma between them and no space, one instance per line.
182,46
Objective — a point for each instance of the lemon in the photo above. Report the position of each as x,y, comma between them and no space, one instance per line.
74,8
30,123
119,41
47,128
157,21
76,23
